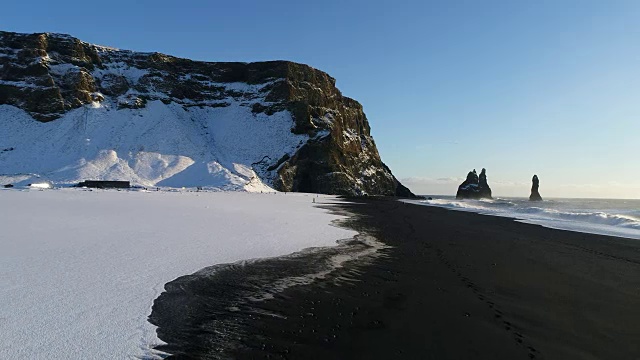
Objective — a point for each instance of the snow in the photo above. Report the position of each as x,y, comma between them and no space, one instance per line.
79,269
212,141
158,145
370,171
242,87
20,84
61,69
132,74
41,185
350,135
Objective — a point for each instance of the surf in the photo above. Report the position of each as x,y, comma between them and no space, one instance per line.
597,216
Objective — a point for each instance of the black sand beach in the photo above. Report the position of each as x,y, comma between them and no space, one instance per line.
452,285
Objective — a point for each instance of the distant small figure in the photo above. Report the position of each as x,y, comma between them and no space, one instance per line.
535,195
314,200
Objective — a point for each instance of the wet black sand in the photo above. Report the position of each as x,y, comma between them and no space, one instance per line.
453,285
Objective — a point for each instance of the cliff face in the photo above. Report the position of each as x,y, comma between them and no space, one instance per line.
326,147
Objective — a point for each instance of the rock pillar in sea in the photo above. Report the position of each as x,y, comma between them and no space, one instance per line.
474,187
485,190
535,195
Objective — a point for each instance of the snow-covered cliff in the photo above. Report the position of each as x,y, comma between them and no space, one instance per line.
72,111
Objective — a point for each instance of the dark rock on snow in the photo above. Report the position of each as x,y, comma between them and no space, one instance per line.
101,184
474,187
535,195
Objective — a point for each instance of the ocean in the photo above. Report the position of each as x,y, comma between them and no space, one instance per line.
614,217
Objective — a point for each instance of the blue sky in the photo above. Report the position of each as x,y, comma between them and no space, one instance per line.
518,87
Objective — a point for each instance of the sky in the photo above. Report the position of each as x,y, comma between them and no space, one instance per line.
548,87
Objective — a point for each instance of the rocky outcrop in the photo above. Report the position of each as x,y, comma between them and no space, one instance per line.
48,75
535,195
474,187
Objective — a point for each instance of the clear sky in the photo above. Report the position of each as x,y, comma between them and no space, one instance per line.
516,86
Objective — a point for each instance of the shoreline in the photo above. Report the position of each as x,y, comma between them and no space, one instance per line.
89,262
450,285
577,215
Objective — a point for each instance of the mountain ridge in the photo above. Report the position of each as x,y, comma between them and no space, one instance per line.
314,138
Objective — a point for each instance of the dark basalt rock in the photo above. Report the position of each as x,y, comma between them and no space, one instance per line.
474,187
535,195
49,74
102,184
115,85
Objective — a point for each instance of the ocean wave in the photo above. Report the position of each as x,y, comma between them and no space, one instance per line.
589,216
599,218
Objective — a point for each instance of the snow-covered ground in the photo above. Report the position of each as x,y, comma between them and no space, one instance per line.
79,269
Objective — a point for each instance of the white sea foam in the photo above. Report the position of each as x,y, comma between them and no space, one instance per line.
597,216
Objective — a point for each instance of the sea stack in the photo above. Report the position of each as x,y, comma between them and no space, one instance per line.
535,195
474,187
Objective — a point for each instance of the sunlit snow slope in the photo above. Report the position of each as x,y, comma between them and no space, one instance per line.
216,147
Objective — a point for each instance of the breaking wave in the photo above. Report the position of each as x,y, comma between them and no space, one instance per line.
598,216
